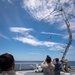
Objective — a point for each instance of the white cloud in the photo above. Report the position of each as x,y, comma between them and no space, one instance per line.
72,27
71,52
31,40
69,6
73,36
52,33
3,36
72,24
41,9
56,47
20,29
27,40
64,1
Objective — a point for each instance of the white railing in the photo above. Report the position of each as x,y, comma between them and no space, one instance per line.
25,66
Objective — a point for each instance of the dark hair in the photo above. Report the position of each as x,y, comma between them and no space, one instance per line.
48,59
6,61
57,60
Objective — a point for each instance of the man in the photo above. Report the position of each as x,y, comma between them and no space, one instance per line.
57,66
7,64
47,66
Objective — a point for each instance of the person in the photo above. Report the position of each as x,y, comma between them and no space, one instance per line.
47,66
7,64
57,66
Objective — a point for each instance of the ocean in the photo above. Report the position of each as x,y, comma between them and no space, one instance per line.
29,65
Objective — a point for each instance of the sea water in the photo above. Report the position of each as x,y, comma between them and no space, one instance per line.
29,65
71,63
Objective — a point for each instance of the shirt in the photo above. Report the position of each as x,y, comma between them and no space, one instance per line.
48,69
57,68
10,73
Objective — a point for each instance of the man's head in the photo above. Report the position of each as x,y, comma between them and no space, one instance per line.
48,59
57,60
6,62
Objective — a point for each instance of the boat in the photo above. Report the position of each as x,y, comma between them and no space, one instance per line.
32,72
37,70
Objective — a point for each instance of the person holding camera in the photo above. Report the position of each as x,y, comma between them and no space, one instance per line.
47,66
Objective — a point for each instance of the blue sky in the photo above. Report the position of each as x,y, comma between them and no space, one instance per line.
30,30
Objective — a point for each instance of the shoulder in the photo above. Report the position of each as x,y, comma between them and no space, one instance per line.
58,64
18,73
44,65
51,67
